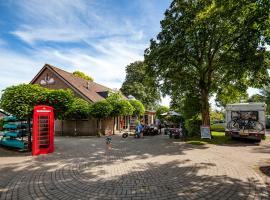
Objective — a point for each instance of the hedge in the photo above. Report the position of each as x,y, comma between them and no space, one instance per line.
217,128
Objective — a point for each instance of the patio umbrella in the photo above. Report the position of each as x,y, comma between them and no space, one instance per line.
171,113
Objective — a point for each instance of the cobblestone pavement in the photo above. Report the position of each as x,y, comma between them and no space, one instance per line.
149,168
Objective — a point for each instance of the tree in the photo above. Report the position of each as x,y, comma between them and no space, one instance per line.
230,94
59,99
79,109
216,115
266,94
83,75
20,100
257,98
206,45
160,110
119,104
139,85
100,110
188,105
139,109
121,107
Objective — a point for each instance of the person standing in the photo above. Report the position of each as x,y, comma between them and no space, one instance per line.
138,129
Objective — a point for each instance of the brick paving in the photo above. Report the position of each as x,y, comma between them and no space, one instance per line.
149,168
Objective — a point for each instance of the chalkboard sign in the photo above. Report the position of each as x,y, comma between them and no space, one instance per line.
205,132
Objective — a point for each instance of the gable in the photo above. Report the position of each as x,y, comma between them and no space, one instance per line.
54,78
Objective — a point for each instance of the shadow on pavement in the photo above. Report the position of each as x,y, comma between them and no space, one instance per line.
84,169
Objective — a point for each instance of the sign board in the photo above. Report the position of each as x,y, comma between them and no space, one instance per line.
205,132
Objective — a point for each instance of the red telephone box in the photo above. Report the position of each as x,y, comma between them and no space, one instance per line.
43,130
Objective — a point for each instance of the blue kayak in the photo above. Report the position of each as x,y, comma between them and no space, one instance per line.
12,143
9,119
10,126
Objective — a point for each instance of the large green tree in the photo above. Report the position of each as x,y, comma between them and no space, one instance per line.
140,85
207,45
230,94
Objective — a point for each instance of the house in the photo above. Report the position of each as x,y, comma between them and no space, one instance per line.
52,77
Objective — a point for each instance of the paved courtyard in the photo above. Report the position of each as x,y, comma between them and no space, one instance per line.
149,168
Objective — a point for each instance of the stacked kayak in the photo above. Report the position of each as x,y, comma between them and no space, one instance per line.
13,133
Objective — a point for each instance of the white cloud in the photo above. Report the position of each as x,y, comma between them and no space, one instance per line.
16,68
70,21
104,42
106,66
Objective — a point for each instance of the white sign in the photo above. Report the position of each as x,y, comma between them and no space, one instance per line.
205,132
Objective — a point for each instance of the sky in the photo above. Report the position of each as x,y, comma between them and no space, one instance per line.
97,37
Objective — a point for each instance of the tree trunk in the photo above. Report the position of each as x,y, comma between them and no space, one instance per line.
205,107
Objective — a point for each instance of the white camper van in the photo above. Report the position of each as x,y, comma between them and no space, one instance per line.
246,120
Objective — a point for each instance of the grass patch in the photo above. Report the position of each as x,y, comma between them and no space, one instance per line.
218,138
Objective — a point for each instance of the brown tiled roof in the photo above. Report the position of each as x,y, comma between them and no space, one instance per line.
79,84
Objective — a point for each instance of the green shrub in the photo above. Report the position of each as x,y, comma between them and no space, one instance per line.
193,126
217,128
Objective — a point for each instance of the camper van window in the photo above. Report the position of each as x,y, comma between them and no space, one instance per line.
245,115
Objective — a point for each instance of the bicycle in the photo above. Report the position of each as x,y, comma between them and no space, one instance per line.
249,124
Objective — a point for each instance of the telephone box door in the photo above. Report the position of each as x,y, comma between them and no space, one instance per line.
43,130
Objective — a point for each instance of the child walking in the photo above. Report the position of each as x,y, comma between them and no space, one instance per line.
109,139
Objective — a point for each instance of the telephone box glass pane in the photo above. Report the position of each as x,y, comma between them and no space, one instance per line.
43,132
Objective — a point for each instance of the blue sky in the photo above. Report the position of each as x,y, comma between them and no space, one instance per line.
98,37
